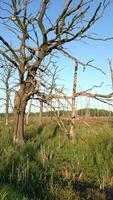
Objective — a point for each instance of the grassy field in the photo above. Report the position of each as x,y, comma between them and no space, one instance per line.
50,167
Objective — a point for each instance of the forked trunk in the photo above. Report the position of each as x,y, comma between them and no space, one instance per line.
21,97
19,113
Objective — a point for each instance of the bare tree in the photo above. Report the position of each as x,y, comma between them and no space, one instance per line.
111,70
5,78
73,114
72,24
41,112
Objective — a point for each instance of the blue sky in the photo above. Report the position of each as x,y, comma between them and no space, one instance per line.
97,50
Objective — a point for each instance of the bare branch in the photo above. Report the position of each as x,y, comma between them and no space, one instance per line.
111,70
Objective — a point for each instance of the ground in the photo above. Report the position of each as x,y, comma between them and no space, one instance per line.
50,166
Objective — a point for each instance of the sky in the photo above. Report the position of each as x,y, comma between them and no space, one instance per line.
98,51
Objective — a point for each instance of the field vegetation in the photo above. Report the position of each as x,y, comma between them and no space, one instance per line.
50,166
68,156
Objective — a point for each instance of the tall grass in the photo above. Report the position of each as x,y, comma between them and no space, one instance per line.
50,167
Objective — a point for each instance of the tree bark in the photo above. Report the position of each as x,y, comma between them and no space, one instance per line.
20,103
27,88
41,112
73,116
7,107
8,74
72,133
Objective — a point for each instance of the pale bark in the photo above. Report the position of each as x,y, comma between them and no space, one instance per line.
7,76
58,112
73,133
111,70
7,105
41,112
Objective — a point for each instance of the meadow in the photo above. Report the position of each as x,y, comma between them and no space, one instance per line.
50,166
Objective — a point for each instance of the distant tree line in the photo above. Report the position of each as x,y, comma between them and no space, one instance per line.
93,112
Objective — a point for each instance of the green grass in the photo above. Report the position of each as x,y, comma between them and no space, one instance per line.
51,167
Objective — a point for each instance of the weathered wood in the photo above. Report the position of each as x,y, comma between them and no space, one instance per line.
73,133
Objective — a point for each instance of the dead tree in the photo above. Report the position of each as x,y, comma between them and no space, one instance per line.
41,112
73,114
111,70
5,78
72,24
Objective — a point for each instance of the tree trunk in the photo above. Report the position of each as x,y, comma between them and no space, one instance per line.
72,133
73,116
7,112
58,111
41,112
7,103
26,90
20,103
6,119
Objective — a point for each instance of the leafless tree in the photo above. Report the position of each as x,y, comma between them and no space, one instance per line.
41,112
33,47
73,115
111,70
5,78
